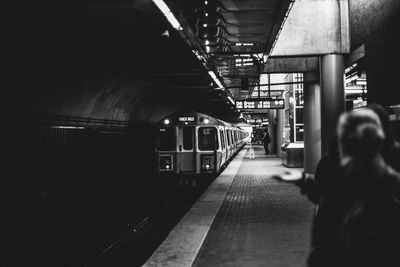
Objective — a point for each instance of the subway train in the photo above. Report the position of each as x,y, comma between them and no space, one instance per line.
193,144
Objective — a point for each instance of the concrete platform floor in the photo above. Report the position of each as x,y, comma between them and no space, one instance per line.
245,218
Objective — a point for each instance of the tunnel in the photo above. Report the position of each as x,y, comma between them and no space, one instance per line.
87,83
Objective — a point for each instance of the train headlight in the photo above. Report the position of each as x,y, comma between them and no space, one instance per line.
166,121
206,121
165,163
207,163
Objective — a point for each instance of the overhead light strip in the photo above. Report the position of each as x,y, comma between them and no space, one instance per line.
216,80
168,14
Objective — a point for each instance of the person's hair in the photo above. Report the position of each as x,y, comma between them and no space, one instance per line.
384,118
360,134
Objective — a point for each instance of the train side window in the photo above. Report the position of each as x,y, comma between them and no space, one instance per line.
187,138
229,137
221,134
208,138
166,139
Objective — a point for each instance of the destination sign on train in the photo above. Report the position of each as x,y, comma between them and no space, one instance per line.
260,104
186,119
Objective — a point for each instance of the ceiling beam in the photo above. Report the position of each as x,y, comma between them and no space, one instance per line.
291,64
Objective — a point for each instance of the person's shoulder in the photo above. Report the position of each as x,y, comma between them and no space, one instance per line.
393,178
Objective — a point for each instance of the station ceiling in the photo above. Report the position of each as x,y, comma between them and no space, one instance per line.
55,42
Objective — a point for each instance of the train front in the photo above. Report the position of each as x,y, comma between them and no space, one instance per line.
188,145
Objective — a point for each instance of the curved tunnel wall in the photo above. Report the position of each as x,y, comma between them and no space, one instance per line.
81,61
110,100
81,182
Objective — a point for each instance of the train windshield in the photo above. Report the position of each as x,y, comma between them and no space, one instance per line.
166,139
208,138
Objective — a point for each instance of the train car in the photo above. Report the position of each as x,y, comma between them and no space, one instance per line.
194,143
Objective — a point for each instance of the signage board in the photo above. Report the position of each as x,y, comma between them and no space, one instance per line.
186,119
255,104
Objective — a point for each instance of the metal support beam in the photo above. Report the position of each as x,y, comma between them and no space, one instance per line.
312,122
332,96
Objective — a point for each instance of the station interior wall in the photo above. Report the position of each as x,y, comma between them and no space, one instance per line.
377,25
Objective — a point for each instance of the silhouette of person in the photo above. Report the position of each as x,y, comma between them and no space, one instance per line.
358,218
266,141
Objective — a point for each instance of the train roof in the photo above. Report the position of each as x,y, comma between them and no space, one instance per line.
193,118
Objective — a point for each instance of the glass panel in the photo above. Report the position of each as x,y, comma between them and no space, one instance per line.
208,138
299,116
188,138
167,139
299,133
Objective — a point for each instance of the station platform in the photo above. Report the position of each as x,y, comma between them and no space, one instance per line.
245,218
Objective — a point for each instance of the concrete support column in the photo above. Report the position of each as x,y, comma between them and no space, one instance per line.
280,125
272,130
312,122
332,96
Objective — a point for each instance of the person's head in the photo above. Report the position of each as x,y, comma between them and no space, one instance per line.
360,135
384,118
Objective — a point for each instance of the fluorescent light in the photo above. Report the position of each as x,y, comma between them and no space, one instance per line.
354,91
174,22
168,14
231,99
361,82
162,6
207,42
67,127
214,77
207,49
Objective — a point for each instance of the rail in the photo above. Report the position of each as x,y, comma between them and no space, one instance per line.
132,231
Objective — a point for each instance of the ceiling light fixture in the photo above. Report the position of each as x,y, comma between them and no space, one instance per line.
168,14
214,77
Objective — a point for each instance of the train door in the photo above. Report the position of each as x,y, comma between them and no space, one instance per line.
223,146
186,149
226,148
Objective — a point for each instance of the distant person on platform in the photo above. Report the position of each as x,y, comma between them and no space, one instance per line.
266,141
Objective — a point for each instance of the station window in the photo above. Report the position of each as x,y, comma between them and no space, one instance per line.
166,139
208,138
188,138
